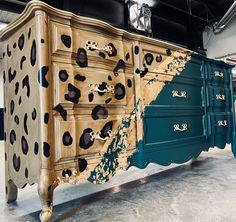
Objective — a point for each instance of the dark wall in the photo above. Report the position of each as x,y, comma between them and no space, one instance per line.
1,125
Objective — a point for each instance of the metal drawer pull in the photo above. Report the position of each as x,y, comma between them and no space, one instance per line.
94,46
97,135
220,97
222,123
184,127
219,74
105,89
181,94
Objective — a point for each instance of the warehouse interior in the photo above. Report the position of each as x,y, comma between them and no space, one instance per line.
201,189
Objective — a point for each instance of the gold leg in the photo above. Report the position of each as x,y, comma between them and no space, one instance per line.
11,191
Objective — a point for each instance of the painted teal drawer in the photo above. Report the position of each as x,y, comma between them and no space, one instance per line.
180,94
217,73
172,126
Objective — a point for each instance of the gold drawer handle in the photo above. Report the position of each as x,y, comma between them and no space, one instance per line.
94,46
181,94
222,123
95,88
97,135
219,74
184,127
220,97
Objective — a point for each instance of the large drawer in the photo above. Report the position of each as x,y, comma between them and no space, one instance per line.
74,86
83,135
176,92
90,45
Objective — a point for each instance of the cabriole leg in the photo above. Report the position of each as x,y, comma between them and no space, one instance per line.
11,191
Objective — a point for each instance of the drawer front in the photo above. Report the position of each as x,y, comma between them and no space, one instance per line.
75,86
83,135
217,73
222,123
98,46
219,98
179,92
172,127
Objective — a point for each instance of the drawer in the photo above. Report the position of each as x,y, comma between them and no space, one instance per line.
74,86
163,60
87,46
84,135
176,125
219,97
217,73
179,92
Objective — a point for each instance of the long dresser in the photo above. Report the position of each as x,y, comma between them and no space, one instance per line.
84,99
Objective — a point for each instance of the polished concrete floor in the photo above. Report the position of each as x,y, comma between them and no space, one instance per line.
201,192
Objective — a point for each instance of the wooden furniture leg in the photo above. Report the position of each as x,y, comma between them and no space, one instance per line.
11,191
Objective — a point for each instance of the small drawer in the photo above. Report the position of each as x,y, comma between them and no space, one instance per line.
217,73
179,92
84,135
161,129
222,123
97,46
75,86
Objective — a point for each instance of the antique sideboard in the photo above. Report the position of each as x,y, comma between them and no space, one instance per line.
84,99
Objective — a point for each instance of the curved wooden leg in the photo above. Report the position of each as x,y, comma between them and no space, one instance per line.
11,191
45,190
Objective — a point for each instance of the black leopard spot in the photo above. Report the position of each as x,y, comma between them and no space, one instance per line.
80,78
24,145
102,87
148,58
168,52
25,83
66,172
46,149
4,76
16,162
8,51
119,65
59,108
106,129
113,51
42,41
90,97
82,164
159,58
29,33
63,75
16,88
16,119
136,50
34,114
21,41
42,76
46,118
24,186
33,53
102,54
5,156
129,83
119,91
12,137
108,100
25,123
127,56
19,100
99,112
12,107
67,139
81,58
85,139
73,94
143,72
109,78
26,173
22,61
66,40
5,136
36,148
11,76
50,187
14,45
3,55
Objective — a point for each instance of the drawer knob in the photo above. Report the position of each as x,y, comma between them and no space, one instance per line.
97,135
219,74
222,123
220,97
93,46
102,88
184,127
181,94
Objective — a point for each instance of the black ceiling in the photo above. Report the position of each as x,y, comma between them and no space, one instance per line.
179,21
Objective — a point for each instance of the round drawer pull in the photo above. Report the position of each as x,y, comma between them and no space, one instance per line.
222,123
184,127
219,74
181,94
220,97
101,88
